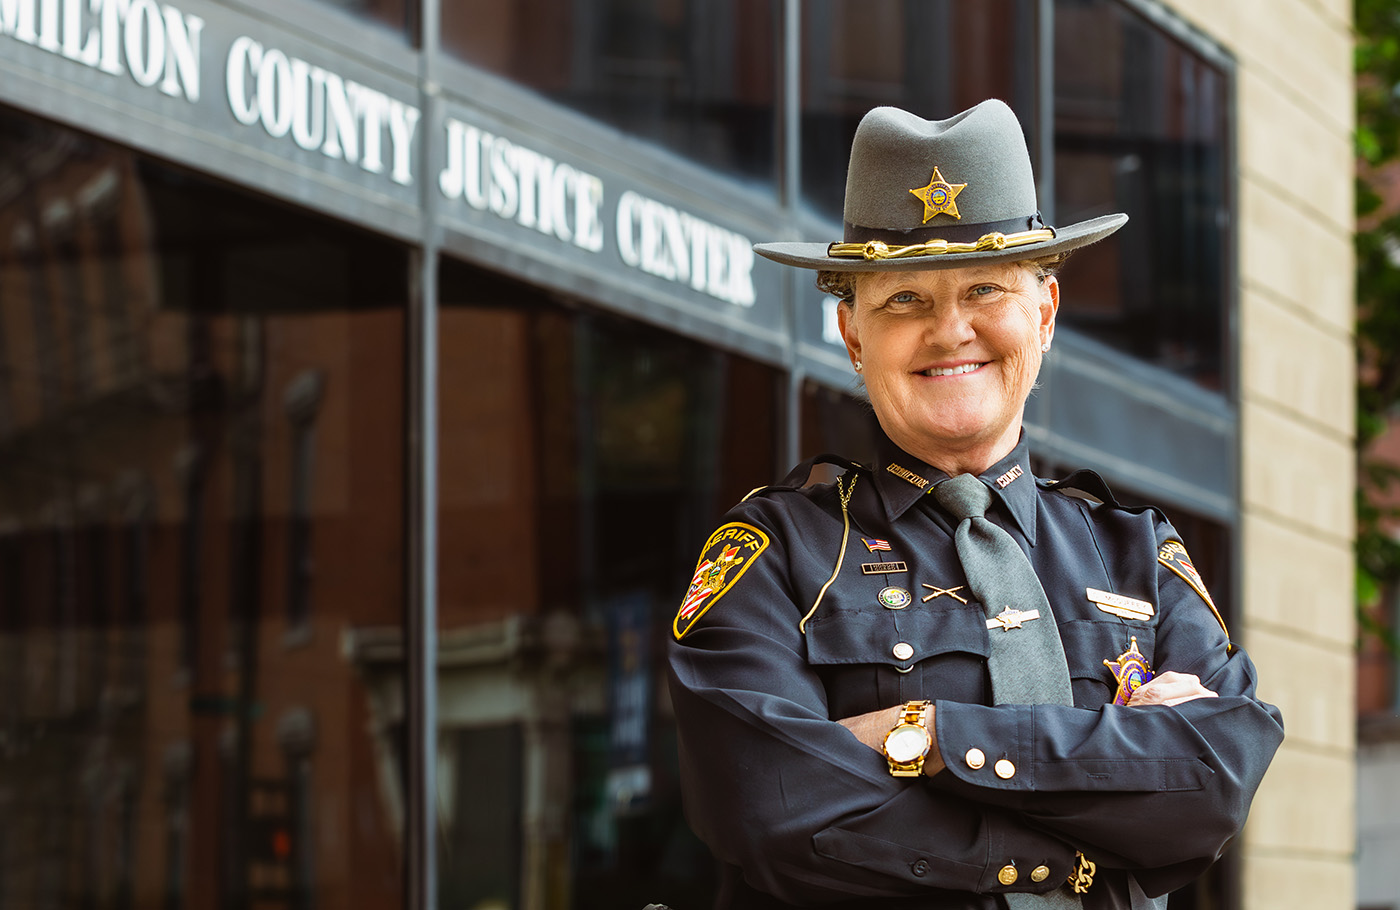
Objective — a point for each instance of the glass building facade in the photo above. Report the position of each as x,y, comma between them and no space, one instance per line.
370,374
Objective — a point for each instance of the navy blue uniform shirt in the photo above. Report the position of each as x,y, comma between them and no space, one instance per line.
784,632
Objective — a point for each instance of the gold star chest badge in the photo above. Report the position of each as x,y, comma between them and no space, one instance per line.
939,197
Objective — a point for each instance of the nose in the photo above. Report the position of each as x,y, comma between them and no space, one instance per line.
948,327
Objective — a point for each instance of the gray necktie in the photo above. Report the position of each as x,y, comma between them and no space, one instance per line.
1027,662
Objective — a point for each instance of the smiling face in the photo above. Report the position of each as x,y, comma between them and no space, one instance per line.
950,356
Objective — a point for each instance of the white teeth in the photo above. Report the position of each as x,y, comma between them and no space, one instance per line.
953,371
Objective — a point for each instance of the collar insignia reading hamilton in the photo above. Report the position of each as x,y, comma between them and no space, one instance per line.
735,545
939,197
904,473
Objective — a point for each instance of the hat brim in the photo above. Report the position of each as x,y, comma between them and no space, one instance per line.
814,255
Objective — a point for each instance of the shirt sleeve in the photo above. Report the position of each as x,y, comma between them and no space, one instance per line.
1158,790
777,788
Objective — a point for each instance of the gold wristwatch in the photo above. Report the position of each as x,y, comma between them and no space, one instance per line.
908,744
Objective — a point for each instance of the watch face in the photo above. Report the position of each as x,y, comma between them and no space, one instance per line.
907,742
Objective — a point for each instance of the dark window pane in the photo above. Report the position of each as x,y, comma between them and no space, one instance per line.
694,76
931,57
396,14
584,459
201,564
1141,127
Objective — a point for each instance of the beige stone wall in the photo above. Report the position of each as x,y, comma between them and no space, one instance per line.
1295,113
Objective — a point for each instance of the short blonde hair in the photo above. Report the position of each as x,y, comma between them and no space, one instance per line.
842,285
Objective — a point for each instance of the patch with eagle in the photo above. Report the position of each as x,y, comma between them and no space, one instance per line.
725,558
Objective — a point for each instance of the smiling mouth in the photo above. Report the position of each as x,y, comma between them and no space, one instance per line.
953,371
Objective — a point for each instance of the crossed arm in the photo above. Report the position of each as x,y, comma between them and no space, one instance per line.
1167,688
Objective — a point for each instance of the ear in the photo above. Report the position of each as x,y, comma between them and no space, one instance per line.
846,322
1049,306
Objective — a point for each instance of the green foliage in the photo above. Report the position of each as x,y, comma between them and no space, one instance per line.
1377,59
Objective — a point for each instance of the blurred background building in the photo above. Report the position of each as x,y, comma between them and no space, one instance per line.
371,372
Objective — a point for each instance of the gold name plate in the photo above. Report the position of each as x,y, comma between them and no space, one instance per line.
1118,605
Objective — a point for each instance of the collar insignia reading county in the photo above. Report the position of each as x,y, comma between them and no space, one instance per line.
938,197
905,474
1005,480
1011,618
895,598
874,543
1118,605
882,568
735,545
939,592
1131,671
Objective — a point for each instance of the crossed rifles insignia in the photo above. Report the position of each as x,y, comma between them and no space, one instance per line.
939,592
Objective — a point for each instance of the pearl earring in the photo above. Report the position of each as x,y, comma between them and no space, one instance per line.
1045,347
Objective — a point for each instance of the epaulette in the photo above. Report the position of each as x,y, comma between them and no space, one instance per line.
1089,486
1083,484
797,478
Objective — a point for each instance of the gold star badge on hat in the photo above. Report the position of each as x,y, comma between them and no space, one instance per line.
939,197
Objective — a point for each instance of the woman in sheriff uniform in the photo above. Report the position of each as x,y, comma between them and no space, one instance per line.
939,682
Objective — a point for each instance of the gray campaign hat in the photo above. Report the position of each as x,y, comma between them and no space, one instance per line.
940,194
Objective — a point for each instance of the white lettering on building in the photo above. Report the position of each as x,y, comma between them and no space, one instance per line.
157,45
677,246
519,184
319,110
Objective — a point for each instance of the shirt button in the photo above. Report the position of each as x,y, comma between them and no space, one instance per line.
919,867
1040,874
1005,769
1007,875
903,650
975,758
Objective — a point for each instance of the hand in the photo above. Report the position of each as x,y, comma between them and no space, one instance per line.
1170,688
872,728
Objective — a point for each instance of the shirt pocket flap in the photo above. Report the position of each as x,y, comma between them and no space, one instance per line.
898,638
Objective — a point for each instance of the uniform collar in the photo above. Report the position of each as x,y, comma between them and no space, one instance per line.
902,479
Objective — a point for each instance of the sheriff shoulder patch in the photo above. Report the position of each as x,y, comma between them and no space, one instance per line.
726,557
1173,555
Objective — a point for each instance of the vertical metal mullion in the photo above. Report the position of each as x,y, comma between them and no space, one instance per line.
1045,108
791,192
421,711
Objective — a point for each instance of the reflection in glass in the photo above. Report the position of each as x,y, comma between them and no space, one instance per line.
697,77
1141,127
583,460
396,14
931,57
201,541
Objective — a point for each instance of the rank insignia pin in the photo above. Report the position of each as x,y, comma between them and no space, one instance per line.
1131,671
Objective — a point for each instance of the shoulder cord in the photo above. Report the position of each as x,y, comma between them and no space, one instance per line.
845,494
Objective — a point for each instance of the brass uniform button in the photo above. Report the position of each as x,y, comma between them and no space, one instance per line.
1007,875
1040,874
1005,769
975,758
903,651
